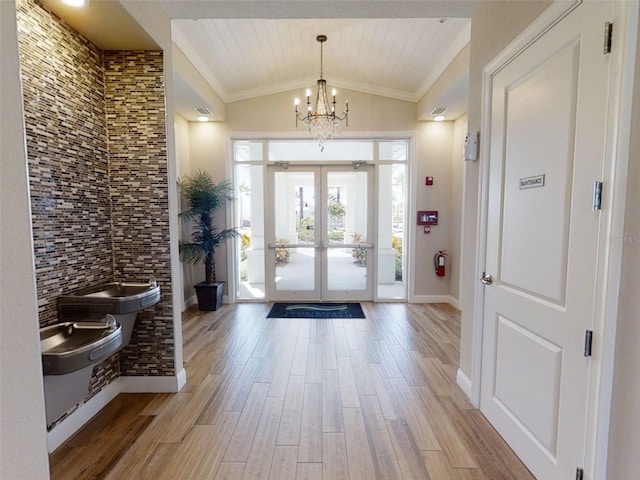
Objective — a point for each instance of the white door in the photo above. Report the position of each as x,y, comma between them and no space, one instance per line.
319,232
547,147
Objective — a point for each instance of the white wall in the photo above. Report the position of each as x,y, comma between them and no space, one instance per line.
624,447
23,446
457,182
181,127
494,25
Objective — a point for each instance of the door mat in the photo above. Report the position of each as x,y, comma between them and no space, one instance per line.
316,310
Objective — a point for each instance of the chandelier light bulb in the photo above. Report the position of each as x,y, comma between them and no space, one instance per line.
76,3
321,120
296,102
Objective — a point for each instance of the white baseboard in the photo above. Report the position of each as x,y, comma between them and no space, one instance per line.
434,299
464,383
190,302
167,384
181,379
454,302
85,412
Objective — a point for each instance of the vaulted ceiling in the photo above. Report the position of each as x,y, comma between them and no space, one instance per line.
398,58
249,48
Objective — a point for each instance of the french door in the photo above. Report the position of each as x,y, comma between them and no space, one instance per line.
319,232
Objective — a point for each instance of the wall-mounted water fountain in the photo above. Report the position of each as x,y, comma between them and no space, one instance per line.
123,300
69,352
96,323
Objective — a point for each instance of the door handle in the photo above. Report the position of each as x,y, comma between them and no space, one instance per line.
486,279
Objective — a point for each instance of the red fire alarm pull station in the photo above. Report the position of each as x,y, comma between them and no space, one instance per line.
428,217
428,180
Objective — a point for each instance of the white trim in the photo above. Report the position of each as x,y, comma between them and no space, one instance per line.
165,384
85,412
454,302
434,299
445,59
541,25
190,302
230,222
619,124
410,226
410,136
177,288
464,383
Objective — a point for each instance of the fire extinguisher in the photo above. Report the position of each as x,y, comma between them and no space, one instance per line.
439,262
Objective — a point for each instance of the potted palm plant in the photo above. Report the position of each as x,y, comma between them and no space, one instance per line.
204,197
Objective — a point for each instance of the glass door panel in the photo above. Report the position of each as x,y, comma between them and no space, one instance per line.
392,201
293,232
345,239
319,234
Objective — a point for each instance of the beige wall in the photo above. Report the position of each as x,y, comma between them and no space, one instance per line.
493,27
456,71
23,452
624,460
369,113
433,152
457,183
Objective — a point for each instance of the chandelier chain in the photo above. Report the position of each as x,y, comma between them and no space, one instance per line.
321,45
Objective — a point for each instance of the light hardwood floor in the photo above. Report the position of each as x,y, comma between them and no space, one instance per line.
370,398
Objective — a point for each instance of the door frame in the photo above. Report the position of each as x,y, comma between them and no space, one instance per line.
609,261
409,244
321,291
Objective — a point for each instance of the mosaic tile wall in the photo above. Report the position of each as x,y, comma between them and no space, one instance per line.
135,112
88,225
63,90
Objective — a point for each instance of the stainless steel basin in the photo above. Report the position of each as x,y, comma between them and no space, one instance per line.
70,346
114,298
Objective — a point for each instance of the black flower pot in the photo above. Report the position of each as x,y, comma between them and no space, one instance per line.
209,295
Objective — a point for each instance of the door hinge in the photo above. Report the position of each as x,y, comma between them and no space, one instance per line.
597,195
608,37
588,342
579,473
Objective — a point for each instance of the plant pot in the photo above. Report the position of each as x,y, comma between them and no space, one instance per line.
209,295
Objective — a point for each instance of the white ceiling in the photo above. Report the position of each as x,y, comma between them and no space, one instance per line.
244,49
398,58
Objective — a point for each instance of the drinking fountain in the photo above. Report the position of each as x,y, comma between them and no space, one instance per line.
69,352
123,300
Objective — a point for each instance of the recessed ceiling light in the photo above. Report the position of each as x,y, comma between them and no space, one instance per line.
202,118
76,3
439,118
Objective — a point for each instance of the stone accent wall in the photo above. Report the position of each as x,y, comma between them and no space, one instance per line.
63,90
98,178
135,111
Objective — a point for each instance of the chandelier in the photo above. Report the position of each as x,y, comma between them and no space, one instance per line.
321,119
